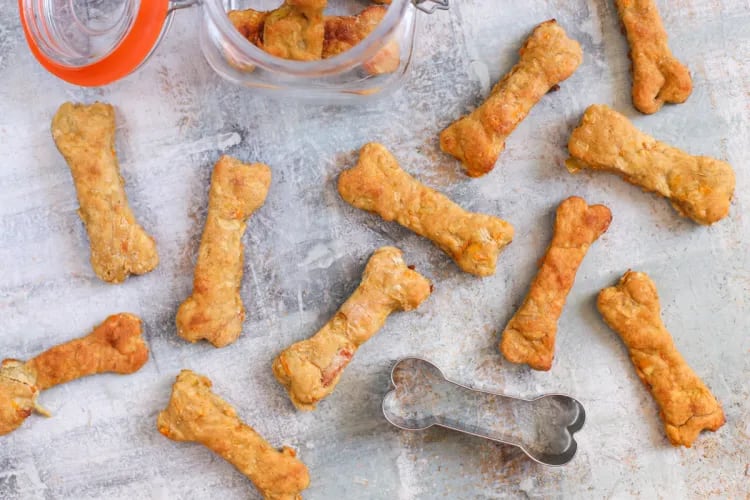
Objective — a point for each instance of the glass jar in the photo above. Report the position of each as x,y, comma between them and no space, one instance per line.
96,42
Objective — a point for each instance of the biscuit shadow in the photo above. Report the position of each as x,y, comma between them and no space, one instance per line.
617,59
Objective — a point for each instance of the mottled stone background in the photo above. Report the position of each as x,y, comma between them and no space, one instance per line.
306,250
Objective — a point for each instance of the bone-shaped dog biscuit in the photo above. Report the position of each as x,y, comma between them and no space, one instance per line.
196,414
378,184
699,187
85,135
214,311
658,77
631,308
529,336
547,58
310,369
115,346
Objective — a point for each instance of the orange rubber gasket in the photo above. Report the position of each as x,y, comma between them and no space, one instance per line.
134,48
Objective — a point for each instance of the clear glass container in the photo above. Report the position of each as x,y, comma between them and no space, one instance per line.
96,42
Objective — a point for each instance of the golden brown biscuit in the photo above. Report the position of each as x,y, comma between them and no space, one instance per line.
386,60
341,33
18,395
196,414
631,308
85,135
214,311
699,187
658,77
310,369
295,30
378,184
529,336
115,346
249,23
547,58
344,32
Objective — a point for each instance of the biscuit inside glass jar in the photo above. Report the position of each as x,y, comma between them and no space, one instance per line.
313,30
278,49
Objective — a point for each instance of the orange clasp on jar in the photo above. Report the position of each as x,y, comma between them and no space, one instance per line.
66,46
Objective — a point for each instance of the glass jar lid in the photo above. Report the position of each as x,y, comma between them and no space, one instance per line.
92,42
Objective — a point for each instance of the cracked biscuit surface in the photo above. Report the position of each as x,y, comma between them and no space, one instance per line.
547,58
699,187
85,136
196,414
686,405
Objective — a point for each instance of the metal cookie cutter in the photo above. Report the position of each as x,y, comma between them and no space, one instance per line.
543,427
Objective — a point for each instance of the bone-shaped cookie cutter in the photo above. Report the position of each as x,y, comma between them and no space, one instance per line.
542,427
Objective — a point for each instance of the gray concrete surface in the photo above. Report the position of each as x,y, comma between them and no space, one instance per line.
306,249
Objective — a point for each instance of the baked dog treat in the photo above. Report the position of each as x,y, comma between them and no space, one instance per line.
529,336
547,58
658,77
249,23
699,187
386,60
214,311
196,414
114,346
344,32
18,395
378,184
340,33
310,369
687,407
85,135
295,30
